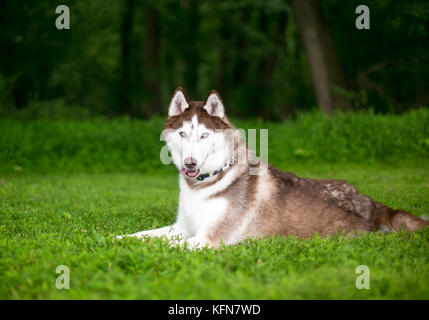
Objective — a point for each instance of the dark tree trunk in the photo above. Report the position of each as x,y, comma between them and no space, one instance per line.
238,76
326,72
151,45
126,58
268,62
264,72
221,77
191,50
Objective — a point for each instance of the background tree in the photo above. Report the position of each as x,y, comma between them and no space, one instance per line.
269,59
326,73
150,65
126,56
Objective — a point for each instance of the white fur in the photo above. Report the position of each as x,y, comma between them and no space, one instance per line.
210,153
197,212
178,104
214,106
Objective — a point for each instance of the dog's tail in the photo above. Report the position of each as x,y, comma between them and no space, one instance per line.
388,220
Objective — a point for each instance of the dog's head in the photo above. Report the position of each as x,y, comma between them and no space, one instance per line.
197,134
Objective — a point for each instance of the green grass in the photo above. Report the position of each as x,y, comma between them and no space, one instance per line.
70,219
67,187
124,145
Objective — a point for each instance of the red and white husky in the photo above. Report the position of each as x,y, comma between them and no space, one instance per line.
224,198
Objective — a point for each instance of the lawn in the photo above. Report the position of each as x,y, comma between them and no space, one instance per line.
63,219
68,187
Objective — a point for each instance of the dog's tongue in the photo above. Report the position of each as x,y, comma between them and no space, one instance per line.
190,174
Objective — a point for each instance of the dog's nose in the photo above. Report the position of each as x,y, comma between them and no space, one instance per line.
190,163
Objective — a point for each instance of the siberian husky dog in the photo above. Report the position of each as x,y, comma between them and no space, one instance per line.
225,198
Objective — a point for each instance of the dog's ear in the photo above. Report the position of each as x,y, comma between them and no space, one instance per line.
214,105
178,104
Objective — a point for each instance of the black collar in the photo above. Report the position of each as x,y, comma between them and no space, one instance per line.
201,177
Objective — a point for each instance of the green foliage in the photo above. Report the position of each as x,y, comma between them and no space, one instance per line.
90,145
392,56
121,144
249,50
350,137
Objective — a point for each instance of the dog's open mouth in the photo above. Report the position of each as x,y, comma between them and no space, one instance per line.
190,173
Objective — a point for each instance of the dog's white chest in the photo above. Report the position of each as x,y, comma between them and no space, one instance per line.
198,212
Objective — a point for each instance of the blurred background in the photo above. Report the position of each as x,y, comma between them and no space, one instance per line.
126,57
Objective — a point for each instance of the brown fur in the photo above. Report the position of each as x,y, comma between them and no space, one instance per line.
303,207
241,196
196,107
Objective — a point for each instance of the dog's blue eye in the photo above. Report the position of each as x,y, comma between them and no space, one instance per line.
182,134
204,135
